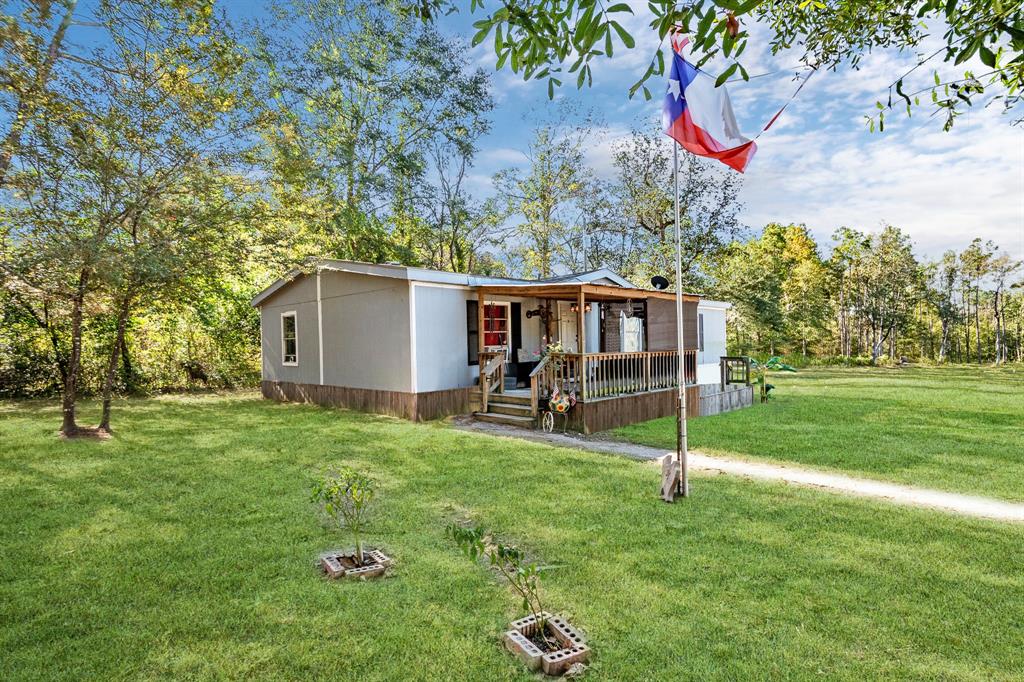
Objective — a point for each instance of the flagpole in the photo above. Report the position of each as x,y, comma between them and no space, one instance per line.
681,447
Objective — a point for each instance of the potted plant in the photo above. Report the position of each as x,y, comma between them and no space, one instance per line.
346,498
539,639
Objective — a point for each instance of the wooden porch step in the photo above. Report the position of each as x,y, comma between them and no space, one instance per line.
508,408
504,398
507,419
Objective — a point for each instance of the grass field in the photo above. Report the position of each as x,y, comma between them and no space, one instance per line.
957,429
184,547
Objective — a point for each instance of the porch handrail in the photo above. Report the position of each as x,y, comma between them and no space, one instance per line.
735,369
562,370
491,363
608,374
600,375
535,377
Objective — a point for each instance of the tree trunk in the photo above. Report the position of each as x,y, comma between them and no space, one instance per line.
945,340
995,315
126,363
115,354
69,427
977,319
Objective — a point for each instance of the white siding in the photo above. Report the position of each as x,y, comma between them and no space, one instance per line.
366,332
708,368
300,296
442,342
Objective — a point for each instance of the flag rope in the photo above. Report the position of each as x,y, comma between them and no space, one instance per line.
787,103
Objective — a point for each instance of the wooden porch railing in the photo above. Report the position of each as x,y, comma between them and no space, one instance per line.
562,370
735,369
492,375
600,375
538,377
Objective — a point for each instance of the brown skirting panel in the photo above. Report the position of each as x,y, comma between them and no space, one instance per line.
611,413
437,404
414,406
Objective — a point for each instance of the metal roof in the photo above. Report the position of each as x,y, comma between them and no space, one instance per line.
414,274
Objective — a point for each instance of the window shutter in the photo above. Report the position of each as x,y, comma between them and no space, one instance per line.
472,332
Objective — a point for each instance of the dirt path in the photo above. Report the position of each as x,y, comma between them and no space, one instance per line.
967,505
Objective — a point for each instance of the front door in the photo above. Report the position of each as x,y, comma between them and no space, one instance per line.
567,327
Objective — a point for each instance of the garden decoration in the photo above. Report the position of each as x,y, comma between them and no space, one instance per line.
345,498
773,363
559,403
541,640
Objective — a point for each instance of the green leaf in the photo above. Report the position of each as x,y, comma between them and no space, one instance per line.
621,7
624,35
1014,32
705,25
968,51
724,76
988,57
481,35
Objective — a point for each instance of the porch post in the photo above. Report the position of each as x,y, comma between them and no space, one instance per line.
480,324
581,326
547,321
581,340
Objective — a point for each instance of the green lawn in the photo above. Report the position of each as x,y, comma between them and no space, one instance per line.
958,429
184,548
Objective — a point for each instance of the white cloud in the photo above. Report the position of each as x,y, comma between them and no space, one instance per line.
818,164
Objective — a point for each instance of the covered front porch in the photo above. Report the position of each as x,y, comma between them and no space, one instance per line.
618,359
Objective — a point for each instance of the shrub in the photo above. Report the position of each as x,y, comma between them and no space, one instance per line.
346,497
509,561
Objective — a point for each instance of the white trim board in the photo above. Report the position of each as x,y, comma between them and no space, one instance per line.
319,326
412,336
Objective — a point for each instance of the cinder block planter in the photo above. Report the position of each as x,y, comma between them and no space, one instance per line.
342,564
524,641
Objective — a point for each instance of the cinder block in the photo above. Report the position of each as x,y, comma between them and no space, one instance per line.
521,646
379,557
332,566
371,571
566,634
557,662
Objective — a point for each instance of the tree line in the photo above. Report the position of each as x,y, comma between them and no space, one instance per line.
870,297
160,164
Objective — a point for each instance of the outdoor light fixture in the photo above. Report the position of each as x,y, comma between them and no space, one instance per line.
573,307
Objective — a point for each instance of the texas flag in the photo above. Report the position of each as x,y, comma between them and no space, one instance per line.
699,116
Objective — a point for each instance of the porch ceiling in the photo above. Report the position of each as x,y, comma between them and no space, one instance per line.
572,291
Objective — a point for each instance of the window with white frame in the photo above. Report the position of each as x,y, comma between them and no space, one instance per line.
289,339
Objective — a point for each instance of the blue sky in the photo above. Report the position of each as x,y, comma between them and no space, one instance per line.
819,164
